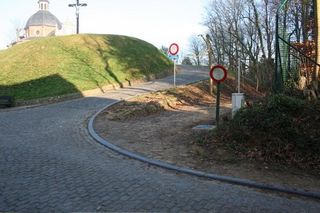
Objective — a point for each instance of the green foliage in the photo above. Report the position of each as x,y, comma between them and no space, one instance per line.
291,89
60,65
279,129
285,104
164,50
187,61
274,117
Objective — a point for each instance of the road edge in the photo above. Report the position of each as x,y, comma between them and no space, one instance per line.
189,171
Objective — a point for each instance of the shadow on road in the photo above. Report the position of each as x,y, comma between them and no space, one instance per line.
49,86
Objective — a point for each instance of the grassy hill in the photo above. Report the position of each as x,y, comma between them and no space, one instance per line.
60,65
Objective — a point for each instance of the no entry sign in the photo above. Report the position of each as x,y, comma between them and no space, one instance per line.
174,49
218,73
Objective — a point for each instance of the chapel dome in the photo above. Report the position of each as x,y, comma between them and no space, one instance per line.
43,18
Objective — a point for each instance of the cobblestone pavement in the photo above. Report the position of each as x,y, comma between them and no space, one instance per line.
48,163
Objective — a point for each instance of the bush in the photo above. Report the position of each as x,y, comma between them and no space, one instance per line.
279,129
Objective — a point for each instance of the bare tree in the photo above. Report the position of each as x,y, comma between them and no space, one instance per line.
243,29
197,50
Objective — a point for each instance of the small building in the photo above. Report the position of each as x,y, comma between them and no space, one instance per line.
42,23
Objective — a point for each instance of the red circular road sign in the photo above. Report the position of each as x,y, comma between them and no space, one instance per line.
174,49
218,73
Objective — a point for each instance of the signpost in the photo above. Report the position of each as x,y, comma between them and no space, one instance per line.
173,51
237,98
218,74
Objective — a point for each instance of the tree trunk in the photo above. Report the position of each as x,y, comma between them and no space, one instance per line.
257,83
317,22
257,25
257,74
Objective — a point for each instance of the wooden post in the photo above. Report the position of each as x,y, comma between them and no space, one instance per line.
211,82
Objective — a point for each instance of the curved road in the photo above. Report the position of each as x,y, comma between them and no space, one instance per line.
48,163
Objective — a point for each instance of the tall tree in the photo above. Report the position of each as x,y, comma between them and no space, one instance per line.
244,29
197,49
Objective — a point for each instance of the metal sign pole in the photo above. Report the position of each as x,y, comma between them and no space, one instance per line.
174,73
173,50
218,73
218,103
239,75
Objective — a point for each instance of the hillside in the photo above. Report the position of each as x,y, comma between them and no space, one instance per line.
62,65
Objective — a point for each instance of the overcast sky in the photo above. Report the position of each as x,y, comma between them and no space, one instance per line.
159,22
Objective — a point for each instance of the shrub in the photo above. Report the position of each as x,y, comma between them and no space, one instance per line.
279,129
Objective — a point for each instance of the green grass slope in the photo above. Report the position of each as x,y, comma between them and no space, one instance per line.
60,65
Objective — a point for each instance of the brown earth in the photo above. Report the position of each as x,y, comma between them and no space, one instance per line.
159,125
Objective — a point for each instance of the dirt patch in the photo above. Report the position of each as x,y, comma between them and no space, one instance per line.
159,125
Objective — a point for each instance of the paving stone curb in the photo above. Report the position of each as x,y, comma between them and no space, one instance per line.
211,176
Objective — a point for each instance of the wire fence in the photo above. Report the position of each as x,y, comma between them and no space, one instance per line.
295,43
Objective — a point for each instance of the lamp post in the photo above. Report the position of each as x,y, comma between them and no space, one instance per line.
77,6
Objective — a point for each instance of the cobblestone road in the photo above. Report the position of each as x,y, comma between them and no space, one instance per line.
48,163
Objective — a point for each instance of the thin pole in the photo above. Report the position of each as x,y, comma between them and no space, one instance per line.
174,73
77,22
218,104
239,75
276,76
78,14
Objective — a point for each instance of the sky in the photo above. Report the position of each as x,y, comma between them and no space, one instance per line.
160,22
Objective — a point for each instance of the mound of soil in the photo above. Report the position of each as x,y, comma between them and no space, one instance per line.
168,100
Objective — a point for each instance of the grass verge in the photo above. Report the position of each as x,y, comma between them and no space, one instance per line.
55,66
